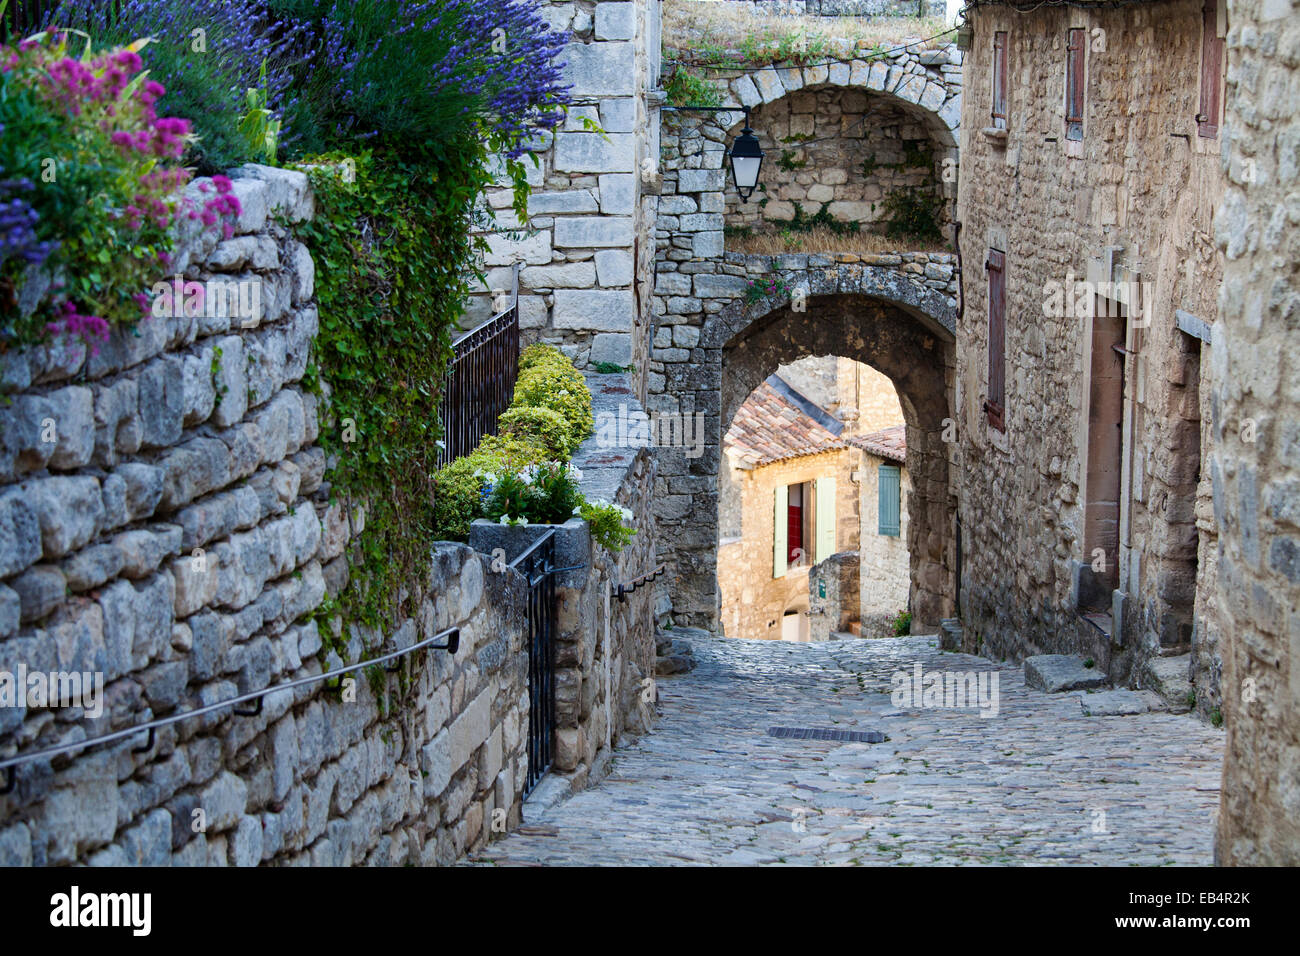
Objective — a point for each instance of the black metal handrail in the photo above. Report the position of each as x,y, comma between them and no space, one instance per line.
10,764
627,587
479,383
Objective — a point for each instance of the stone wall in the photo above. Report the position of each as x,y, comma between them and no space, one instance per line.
838,152
165,524
586,267
886,572
1257,483
856,394
833,592
841,8
1131,202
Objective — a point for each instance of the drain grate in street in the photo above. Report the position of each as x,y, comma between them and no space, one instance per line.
817,733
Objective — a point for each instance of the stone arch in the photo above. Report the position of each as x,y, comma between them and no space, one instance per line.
873,315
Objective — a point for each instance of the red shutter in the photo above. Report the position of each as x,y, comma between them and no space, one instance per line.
996,403
1000,80
1076,52
1207,120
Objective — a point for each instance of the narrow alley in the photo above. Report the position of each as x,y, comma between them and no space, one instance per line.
1039,783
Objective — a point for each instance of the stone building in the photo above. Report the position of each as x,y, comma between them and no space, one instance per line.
1255,466
788,502
1089,175
883,487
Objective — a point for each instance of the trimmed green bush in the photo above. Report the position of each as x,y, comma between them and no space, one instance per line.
561,389
543,427
540,354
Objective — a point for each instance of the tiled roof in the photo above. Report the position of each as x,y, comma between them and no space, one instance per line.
888,443
776,422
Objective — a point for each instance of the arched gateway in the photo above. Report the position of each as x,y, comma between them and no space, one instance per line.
877,315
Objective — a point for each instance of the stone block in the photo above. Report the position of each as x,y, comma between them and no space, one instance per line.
593,310
593,232
614,267
1053,673
594,153
612,347
615,21
601,69
618,194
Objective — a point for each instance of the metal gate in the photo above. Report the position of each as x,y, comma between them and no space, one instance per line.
537,564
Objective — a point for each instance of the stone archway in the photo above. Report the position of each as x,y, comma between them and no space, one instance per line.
875,315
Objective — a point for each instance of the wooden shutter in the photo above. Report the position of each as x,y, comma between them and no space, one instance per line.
1000,80
1207,120
995,405
889,492
824,529
1074,76
779,517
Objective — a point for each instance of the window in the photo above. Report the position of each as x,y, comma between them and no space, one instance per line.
1076,51
889,494
1207,120
1000,80
996,403
803,524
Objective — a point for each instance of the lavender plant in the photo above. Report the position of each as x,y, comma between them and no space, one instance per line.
421,76
18,221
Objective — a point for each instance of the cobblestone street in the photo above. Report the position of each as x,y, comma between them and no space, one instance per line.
1039,783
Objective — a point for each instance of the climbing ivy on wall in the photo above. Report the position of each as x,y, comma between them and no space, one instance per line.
394,258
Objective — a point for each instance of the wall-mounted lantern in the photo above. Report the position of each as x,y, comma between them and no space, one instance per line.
745,154
746,160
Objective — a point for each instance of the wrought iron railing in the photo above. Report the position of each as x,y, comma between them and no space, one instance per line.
10,764
480,380
537,564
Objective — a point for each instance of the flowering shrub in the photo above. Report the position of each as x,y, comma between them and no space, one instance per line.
766,286
208,55
606,522
103,190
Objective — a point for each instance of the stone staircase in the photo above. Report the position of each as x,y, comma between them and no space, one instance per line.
1169,677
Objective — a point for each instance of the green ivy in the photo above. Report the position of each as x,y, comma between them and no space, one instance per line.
394,261
685,88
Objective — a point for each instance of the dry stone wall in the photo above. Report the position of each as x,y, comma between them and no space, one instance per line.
1257,483
164,523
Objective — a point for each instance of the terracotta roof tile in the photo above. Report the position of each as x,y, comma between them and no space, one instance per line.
888,443
771,426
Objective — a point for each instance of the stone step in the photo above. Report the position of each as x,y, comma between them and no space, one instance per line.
1054,673
1120,703
1168,677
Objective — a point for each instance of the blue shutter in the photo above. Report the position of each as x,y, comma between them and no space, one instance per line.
890,488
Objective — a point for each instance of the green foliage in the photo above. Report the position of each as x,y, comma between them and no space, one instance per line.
821,219
546,493
738,232
458,486
393,256
788,162
770,285
543,427
685,88
913,214
541,354
611,368
607,523
562,389
902,624
1216,717
258,127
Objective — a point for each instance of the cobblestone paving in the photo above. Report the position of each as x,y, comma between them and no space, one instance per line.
1039,783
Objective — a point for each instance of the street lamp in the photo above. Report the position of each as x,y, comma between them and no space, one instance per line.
746,159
